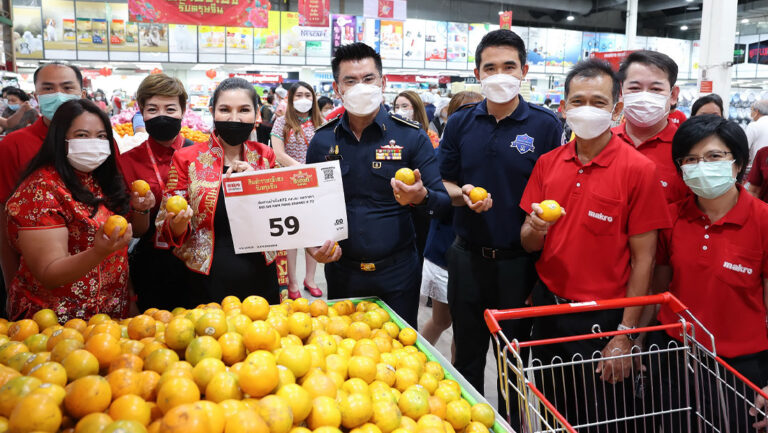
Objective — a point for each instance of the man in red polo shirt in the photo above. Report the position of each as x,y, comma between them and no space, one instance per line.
55,83
602,248
648,88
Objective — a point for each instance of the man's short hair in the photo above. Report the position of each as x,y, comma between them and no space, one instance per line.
761,107
500,38
74,68
355,51
592,68
650,58
22,95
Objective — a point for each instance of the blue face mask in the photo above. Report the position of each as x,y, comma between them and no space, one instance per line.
51,102
13,107
709,179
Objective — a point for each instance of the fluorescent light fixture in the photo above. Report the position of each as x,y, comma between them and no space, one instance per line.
501,12
570,18
745,21
683,27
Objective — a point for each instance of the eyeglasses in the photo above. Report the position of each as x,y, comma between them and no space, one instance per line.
368,79
711,156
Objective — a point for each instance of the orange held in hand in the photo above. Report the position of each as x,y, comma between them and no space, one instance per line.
113,222
176,204
406,176
140,186
478,194
551,210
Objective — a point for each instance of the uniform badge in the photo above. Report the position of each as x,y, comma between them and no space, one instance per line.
389,152
523,143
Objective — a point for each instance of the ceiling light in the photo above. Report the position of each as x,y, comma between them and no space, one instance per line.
501,12
683,27
570,18
745,20
689,1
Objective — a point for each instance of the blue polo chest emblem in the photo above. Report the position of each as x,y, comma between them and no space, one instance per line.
523,143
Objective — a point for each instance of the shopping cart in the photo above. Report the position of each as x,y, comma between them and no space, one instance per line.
672,386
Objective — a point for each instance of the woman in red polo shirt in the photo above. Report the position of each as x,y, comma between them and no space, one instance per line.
158,277
717,250
205,242
56,220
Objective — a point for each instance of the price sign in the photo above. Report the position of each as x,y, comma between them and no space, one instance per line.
286,208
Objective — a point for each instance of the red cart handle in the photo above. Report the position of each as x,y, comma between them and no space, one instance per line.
492,317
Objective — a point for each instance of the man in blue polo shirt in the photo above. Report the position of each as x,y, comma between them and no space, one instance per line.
492,144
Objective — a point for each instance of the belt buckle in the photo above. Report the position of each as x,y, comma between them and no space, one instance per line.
488,253
367,267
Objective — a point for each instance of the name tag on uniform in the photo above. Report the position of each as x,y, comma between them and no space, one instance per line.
389,152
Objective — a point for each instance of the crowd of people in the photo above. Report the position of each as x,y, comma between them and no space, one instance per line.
650,202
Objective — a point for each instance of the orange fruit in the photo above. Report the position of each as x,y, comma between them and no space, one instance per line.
163,316
477,194
202,347
222,386
105,347
176,204
55,392
18,360
367,348
214,413
406,176
458,413
255,307
300,324
437,406
435,369
105,327
80,363
358,330
124,426
318,384
93,423
356,409
124,381
140,186
45,318
78,325
63,334
362,367
232,348
115,222
213,324
259,335
276,413
430,422
448,393
414,403
99,318
64,347
86,395
325,412
550,210
132,347
50,372
35,413
301,305
32,361
127,360
318,307
259,380
177,391
141,326
37,343
160,359
476,427
179,333
295,358
299,400
407,336
19,331
246,421
130,407
484,414
148,383
14,390
205,369
386,415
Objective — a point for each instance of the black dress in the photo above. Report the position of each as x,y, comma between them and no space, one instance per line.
241,275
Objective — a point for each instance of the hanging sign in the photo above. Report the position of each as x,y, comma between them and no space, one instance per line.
505,20
236,13
385,9
314,13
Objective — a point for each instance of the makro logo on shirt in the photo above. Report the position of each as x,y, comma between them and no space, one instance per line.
599,216
737,268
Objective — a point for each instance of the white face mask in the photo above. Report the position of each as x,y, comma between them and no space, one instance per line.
362,99
302,105
645,109
405,114
87,154
588,122
500,88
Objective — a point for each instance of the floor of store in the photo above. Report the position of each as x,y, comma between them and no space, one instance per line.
443,345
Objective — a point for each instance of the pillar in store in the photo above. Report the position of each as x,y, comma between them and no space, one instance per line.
631,28
718,34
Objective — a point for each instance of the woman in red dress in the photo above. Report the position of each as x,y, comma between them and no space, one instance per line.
56,221
201,234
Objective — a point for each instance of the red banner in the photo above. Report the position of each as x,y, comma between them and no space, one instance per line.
314,13
613,57
505,20
234,13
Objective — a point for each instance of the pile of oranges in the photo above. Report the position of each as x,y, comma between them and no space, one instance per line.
194,135
234,367
124,129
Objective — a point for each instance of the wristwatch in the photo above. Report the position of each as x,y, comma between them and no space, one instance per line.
633,336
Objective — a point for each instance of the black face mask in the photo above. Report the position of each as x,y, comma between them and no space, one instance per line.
233,133
163,128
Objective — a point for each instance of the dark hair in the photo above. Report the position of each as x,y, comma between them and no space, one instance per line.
698,128
355,51
651,58
323,101
74,68
419,112
706,99
500,38
54,152
18,93
592,68
547,101
5,89
271,97
462,98
292,122
235,84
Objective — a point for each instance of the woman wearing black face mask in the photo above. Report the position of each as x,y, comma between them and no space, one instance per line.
204,242
158,277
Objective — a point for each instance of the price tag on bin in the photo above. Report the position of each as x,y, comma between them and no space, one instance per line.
286,208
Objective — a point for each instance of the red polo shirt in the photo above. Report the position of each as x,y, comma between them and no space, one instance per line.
659,150
718,270
16,151
677,117
758,175
586,253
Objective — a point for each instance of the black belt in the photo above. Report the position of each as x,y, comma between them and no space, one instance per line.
376,265
550,294
490,253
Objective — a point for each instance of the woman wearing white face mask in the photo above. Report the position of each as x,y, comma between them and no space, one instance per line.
291,135
57,216
409,105
714,256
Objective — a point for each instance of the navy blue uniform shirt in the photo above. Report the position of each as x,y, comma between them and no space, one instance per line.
498,156
378,225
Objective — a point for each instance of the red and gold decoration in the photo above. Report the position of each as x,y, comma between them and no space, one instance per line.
235,13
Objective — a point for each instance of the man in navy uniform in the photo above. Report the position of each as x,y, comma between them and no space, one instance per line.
380,257
494,145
